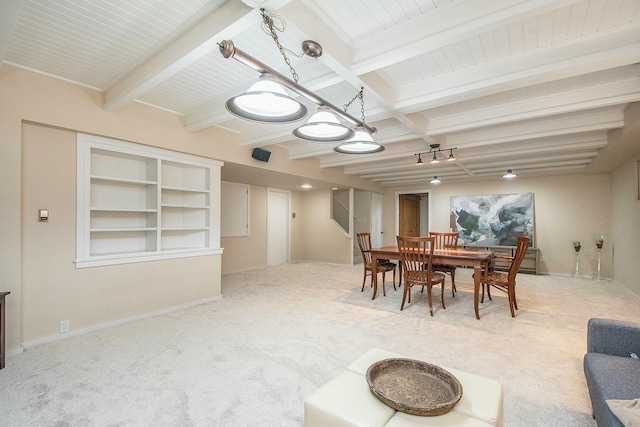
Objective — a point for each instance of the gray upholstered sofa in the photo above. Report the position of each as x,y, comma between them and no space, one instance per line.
611,371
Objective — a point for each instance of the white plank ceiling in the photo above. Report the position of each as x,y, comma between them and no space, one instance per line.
530,85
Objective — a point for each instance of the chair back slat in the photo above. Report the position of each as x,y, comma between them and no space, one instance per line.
364,243
445,240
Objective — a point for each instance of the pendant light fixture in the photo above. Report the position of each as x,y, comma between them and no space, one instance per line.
323,126
435,180
361,143
268,102
451,158
509,174
419,162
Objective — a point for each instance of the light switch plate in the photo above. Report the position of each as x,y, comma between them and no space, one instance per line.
43,215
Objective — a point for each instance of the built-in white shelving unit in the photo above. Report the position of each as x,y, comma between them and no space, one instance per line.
138,203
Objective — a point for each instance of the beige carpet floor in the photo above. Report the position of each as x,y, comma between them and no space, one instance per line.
279,333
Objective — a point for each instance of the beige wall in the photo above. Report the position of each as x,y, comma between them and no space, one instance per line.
566,208
626,225
324,240
248,252
53,289
26,97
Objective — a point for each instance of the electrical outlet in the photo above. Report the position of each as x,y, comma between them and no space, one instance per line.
64,326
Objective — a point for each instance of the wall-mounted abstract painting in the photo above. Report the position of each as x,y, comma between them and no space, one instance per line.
492,220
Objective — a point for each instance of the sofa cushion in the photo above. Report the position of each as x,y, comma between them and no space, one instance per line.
610,377
627,411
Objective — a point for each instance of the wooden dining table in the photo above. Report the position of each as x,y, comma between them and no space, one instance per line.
457,257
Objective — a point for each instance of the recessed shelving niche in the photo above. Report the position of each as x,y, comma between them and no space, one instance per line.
138,203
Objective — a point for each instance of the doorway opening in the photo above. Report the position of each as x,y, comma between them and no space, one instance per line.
413,213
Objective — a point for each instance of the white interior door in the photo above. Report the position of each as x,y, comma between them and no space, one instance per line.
277,227
376,220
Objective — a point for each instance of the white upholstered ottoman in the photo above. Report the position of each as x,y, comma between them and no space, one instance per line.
347,401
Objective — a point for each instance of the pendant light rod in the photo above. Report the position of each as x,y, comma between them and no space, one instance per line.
228,49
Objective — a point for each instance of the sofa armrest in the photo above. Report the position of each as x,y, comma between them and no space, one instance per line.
614,337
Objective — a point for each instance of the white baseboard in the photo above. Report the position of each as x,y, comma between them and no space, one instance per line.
15,351
242,270
73,333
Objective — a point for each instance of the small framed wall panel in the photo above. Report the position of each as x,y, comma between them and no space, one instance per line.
235,209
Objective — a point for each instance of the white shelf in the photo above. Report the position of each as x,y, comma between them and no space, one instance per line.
164,205
188,190
122,180
143,210
164,229
117,229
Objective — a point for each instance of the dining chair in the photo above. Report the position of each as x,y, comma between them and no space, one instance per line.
364,243
416,254
506,281
446,241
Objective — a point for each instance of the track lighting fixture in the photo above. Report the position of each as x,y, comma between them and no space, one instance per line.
268,102
435,149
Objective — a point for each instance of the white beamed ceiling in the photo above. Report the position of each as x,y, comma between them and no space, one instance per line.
530,85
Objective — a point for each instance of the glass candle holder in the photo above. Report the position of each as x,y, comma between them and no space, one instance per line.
599,245
576,265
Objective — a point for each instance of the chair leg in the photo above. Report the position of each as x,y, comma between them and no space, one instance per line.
511,304
364,279
489,292
407,290
394,279
429,299
442,293
482,298
515,301
384,292
453,283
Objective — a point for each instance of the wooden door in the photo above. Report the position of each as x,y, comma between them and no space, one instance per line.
409,215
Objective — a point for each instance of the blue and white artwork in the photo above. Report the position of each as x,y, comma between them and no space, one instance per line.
492,220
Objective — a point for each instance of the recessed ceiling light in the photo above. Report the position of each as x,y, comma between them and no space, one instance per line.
509,174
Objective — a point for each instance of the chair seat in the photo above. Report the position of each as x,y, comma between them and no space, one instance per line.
419,277
383,266
495,277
